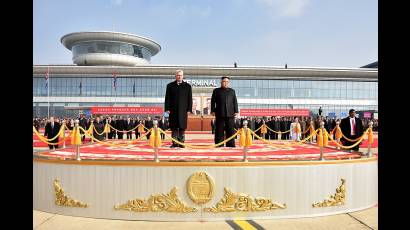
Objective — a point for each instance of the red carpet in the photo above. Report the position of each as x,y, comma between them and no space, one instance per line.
142,151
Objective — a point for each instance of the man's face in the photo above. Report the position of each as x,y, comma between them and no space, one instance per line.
225,83
179,76
51,119
352,114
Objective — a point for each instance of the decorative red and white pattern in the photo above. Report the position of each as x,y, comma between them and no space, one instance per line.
257,152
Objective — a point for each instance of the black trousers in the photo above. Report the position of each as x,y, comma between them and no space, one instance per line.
137,134
120,135
224,127
129,135
178,134
54,146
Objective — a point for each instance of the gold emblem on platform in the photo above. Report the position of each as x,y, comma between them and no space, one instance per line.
157,203
233,202
64,200
334,200
200,187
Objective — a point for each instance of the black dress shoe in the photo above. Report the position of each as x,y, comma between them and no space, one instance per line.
173,146
181,146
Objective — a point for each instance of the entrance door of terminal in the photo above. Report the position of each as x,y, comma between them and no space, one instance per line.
201,118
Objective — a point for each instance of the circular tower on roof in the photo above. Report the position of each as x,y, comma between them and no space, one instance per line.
110,48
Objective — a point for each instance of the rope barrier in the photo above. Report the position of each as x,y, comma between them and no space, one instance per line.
202,146
352,140
119,144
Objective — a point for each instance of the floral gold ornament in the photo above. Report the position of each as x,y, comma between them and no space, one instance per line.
334,200
157,203
64,200
234,202
200,187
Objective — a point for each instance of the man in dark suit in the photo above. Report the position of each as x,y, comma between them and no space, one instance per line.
129,126
178,103
224,106
162,124
149,124
352,128
120,125
51,130
83,124
271,125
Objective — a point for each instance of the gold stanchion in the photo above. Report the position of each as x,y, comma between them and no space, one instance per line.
321,145
76,132
370,139
245,147
154,135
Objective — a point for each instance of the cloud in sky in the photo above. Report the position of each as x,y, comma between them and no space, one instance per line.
286,8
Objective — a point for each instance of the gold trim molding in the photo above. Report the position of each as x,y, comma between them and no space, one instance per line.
157,203
233,202
64,200
200,187
334,200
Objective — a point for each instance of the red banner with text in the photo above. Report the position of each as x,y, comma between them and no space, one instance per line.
274,112
127,110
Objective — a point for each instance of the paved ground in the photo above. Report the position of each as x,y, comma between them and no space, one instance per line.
365,219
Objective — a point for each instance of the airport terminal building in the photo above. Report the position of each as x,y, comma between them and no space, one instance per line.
113,69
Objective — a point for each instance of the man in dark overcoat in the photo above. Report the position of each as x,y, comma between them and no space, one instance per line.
224,106
178,103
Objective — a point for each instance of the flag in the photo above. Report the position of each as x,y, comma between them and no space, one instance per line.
133,89
46,77
114,77
81,87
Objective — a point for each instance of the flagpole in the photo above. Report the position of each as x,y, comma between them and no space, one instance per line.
48,91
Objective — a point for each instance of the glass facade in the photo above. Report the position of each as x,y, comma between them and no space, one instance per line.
154,87
111,48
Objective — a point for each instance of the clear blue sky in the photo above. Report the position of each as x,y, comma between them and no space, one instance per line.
330,33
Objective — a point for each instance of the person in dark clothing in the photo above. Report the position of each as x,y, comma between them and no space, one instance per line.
283,127
98,129
178,103
51,130
276,128
163,124
83,123
224,106
129,126
352,128
120,125
149,124
271,125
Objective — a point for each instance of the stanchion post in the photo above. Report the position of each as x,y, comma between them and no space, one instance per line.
155,123
105,129
336,128
321,147
77,147
369,146
245,148
280,135
64,125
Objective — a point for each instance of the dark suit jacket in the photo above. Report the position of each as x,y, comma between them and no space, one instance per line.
130,125
224,102
345,127
149,124
52,132
178,100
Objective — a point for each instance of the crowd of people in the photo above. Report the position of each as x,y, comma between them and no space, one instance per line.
123,127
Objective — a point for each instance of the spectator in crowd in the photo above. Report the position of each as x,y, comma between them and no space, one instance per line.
51,130
352,128
98,129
